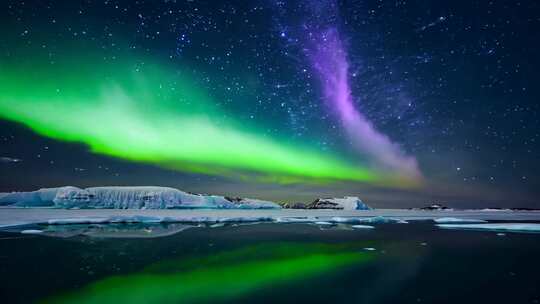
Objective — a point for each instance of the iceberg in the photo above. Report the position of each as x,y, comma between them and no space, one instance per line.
39,198
506,227
346,203
146,197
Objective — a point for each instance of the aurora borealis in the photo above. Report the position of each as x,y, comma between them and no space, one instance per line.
400,103
329,60
129,117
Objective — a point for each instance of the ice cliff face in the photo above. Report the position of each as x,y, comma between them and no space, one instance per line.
41,197
346,203
127,198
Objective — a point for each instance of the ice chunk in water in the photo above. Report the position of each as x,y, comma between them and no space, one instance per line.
324,223
507,227
362,227
32,231
444,220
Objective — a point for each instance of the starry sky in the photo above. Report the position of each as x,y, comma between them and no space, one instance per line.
401,103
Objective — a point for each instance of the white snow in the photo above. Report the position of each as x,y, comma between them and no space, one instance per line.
127,198
362,227
444,220
509,227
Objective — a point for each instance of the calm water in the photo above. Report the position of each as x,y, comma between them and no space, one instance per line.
268,263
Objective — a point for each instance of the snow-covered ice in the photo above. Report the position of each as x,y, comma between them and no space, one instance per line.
507,227
12,216
370,220
444,220
294,219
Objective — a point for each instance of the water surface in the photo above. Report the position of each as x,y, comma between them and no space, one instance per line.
267,263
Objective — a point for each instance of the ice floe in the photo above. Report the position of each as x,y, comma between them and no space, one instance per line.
32,231
370,220
324,223
362,227
295,219
506,227
444,220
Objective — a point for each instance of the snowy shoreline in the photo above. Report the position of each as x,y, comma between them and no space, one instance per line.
13,216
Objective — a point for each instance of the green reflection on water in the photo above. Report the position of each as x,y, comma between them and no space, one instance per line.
221,276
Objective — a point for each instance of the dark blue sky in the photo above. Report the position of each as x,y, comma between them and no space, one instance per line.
454,83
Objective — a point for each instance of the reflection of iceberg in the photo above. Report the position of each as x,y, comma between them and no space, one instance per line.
155,219
510,227
221,276
115,230
127,198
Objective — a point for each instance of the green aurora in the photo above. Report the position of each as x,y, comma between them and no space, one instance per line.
222,276
145,113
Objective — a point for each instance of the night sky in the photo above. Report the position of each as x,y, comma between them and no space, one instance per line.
401,103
